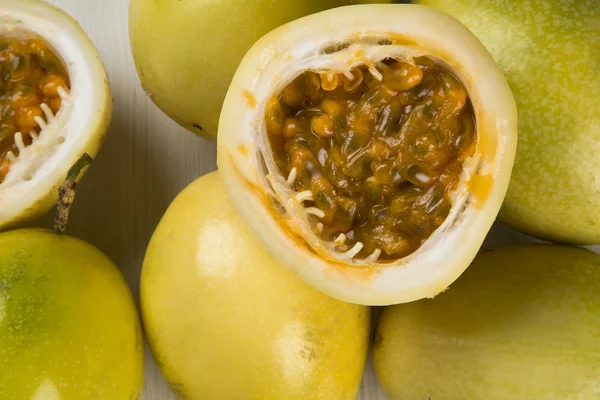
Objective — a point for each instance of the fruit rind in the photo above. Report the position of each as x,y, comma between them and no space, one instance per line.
271,63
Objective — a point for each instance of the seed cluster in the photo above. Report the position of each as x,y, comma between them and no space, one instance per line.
33,82
374,152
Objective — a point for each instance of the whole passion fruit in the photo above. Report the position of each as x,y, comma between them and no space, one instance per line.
55,105
225,321
188,81
68,325
548,51
369,148
522,323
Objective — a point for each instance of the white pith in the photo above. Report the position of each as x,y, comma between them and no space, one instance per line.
287,52
37,169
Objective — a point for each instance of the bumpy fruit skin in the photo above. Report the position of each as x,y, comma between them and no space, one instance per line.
68,325
548,51
225,321
186,52
521,323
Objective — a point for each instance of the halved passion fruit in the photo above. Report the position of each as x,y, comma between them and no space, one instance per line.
369,148
55,105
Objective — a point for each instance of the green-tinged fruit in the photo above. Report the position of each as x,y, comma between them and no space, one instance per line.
549,53
68,325
522,323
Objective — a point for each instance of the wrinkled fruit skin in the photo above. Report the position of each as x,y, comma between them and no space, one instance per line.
522,323
188,81
548,51
223,318
68,325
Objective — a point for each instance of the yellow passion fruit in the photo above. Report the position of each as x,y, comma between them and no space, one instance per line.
223,320
55,105
188,81
69,328
369,148
521,323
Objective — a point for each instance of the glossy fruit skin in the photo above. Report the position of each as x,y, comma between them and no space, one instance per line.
225,321
522,322
548,51
187,64
68,325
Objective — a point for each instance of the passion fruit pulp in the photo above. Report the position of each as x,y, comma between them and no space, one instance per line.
33,80
189,81
68,324
223,317
548,51
369,149
55,105
522,323
374,154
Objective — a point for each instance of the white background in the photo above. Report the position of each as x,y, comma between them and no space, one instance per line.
145,161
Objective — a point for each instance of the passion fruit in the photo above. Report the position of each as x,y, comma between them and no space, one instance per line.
68,325
189,81
55,105
521,323
369,148
223,318
548,51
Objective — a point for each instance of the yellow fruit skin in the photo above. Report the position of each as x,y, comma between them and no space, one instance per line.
68,325
550,55
225,321
522,323
186,52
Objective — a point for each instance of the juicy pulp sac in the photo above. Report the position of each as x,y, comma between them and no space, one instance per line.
373,152
33,83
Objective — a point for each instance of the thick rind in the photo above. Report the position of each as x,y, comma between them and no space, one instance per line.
82,120
270,64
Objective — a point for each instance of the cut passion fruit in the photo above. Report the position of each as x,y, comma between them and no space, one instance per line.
369,148
55,105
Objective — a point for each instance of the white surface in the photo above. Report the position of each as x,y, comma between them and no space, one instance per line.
146,160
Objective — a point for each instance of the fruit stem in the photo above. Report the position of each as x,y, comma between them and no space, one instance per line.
66,193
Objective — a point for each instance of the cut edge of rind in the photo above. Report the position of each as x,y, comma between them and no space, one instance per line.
447,253
31,187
